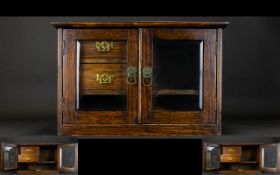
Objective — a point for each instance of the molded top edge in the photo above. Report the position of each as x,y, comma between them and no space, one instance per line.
140,24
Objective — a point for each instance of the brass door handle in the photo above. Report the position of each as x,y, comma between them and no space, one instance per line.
147,74
131,75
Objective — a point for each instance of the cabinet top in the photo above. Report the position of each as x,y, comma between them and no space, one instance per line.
140,24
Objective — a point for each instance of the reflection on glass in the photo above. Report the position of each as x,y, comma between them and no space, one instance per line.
101,77
178,75
68,157
212,157
10,157
270,157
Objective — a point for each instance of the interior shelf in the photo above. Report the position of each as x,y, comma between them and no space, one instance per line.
42,162
103,92
177,92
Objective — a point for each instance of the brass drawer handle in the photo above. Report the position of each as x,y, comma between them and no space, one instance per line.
147,74
131,75
104,46
104,78
27,158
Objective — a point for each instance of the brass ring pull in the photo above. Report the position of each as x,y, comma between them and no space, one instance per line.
131,75
147,74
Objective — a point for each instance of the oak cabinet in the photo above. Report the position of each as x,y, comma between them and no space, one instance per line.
241,158
139,78
39,158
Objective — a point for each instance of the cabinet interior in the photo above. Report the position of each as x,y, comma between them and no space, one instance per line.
47,159
247,159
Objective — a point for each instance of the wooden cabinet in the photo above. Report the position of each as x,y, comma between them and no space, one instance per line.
39,158
241,158
139,78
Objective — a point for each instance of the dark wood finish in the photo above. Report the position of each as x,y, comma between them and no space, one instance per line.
231,149
140,24
133,47
29,149
89,53
218,101
37,172
89,85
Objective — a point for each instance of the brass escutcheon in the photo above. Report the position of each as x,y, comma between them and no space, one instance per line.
104,46
104,78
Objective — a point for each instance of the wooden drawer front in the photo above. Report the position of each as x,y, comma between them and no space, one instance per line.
28,158
230,158
231,149
109,51
29,150
90,85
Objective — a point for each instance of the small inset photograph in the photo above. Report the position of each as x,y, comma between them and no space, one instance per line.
39,155
241,155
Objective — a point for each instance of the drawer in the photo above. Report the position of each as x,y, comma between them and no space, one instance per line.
29,150
103,51
99,79
230,158
231,150
28,158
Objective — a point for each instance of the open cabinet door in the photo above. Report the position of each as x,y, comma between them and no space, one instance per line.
9,156
269,158
211,156
68,157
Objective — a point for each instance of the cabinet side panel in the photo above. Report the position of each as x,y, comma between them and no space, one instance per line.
219,80
59,78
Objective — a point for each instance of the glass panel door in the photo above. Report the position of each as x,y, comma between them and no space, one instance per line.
178,76
68,157
212,159
269,157
100,76
10,156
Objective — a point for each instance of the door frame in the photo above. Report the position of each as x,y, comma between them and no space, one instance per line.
208,114
204,152
265,169
70,115
3,144
59,159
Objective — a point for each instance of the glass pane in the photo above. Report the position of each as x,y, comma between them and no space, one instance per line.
270,157
68,157
177,75
101,76
212,158
10,157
